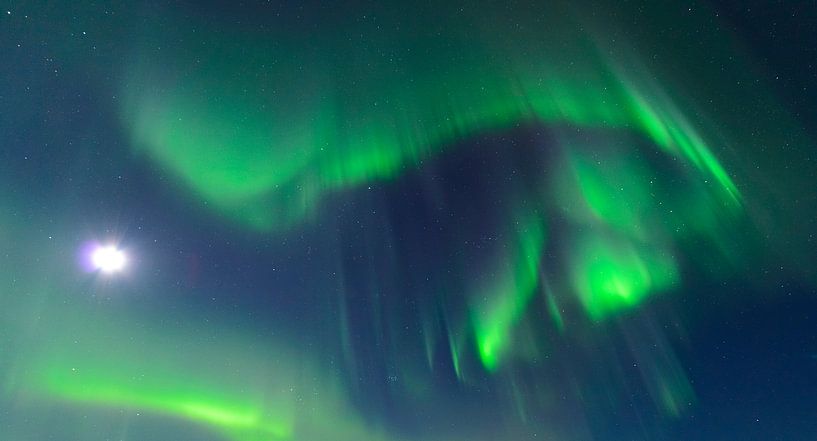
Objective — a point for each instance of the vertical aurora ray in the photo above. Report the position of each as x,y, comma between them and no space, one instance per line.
554,310
508,295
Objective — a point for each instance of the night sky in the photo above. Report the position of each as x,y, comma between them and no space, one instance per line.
400,221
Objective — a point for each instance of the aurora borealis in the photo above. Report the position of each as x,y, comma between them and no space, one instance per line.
433,221
216,103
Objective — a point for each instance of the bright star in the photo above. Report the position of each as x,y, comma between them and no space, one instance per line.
108,259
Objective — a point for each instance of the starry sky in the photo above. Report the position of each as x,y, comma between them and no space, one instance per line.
407,221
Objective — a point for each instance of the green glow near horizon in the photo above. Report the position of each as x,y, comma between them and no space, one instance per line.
241,394
174,398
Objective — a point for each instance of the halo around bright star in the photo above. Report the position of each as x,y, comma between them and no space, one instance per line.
108,259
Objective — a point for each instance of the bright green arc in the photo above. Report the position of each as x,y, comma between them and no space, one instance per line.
265,134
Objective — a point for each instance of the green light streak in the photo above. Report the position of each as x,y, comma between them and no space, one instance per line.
509,294
455,356
554,311
670,130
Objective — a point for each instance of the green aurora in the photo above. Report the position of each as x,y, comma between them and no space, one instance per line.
268,128
266,141
266,134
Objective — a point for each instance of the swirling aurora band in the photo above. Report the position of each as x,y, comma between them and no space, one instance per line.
266,141
265,132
